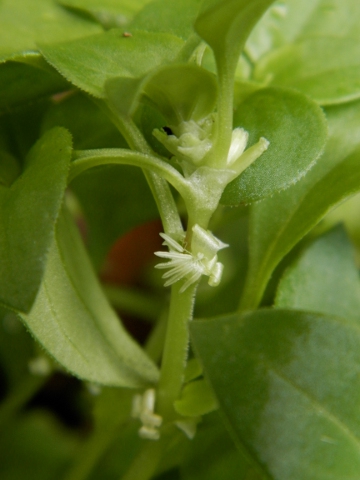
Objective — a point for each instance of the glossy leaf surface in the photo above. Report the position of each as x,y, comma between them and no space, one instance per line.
29,209
89,62
296,129
288,387
73,321
323,279
279,222
325,68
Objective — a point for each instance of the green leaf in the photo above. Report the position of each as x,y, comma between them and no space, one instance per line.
278,223
90,61
176,18
9,168
114,199
288,387
325,68
296,129
24,23
88,124
73,321
196,399
289,21
29,209
109,13
323,279
225,26
27,78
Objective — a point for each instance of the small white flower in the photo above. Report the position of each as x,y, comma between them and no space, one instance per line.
202,260
239,158
143,408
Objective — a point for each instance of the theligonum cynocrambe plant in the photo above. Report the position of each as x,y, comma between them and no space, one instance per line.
229,103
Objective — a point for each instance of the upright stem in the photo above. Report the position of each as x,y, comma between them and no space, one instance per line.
145,463
175,349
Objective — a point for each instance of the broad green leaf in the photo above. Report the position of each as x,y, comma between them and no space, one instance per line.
176,18
325,68
24,23
114,199
225,26
279,222
288,387
323,279
289,21
196,399
28,212
296,129
90,61
22,81
73,321
109,13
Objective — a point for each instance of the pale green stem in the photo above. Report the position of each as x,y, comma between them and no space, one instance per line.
160,189
175,349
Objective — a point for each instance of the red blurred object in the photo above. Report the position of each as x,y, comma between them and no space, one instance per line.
131,253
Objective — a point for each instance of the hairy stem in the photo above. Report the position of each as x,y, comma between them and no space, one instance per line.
175,349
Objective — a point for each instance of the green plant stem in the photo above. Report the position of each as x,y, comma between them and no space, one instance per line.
158,186
145,463
175,349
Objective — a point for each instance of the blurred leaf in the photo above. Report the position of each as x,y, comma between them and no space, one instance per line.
289,21
288,386
325,68
297,131
25,23
35,448
73,321
114,200
29,211
23,80
9,169
90,61
176,18
323,279
88,125
279,222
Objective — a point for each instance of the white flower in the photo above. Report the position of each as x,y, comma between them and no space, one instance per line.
202,260
143,408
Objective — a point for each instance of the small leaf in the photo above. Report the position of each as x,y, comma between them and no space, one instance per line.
325,68
279,222
24,23
196,399
29,209
73,321
296,129
225,26
90,61
323,279
288,387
